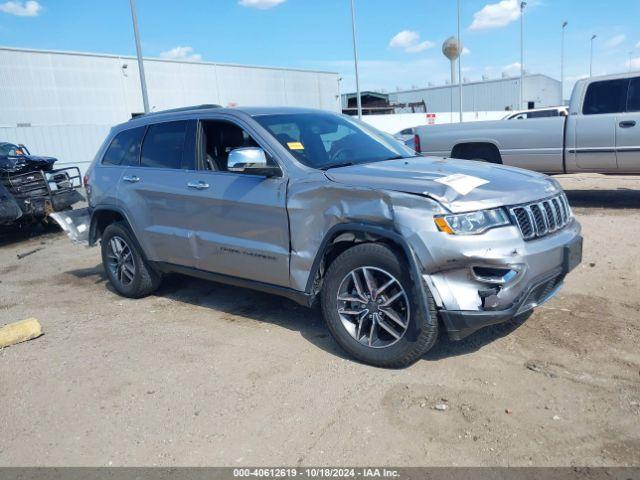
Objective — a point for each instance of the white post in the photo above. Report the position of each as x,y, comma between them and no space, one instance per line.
564,25
459,64
136,34
522,6
355,58
593,37
453,82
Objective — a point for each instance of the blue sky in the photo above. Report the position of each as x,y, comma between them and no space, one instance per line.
399,41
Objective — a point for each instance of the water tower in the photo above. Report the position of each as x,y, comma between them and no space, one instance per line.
451,49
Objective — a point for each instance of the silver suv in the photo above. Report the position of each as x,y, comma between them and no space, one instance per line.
319,207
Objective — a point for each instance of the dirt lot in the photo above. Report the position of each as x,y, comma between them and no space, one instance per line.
205,374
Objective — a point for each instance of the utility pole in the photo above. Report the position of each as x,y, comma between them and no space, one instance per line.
355,58
459,64
522,7
593,37
564,26
136,33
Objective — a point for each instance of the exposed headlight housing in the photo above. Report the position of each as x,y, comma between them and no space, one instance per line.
473,223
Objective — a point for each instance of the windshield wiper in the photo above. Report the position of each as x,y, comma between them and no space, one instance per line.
336,165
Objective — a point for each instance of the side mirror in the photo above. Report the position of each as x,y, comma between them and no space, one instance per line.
251,160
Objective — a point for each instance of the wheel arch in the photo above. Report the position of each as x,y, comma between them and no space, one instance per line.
345,235
101,217
471,150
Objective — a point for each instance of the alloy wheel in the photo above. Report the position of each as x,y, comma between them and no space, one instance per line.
120,260
373,307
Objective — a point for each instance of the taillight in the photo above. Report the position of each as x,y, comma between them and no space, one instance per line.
416,143
85,181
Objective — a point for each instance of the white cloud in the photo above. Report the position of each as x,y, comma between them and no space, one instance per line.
410,42
633,63
466,51
181,53
615,41
496,15
261,4
512,68
30,8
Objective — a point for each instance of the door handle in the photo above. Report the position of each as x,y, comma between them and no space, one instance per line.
628,124
198,185
131,178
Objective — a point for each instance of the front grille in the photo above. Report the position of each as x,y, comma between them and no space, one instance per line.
539,219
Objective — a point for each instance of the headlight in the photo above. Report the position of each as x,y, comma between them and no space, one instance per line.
472,223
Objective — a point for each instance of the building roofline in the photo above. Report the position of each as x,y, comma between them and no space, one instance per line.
157,59
492,80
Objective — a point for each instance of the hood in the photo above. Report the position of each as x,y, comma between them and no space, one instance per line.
459,185
25,163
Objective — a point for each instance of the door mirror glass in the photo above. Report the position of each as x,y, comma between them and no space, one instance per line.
250,160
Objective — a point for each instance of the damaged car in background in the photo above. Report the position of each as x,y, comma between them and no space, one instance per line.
31,189
321,208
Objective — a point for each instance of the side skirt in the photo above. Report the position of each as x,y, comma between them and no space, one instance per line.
301,298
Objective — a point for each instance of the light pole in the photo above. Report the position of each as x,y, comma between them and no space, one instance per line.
564,26
522,7
459,65
355,58
136,34
593,37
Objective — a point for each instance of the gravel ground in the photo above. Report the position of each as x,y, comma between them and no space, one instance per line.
206,374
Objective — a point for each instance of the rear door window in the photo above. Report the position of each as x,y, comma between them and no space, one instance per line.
124,148
169,145
633,99
608,96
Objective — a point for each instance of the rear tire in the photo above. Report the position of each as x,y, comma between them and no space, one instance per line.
124,264
402,332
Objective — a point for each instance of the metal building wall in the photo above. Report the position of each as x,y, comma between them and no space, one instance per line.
57,88
62,104
489,95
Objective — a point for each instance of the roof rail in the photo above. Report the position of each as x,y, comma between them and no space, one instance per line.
180,109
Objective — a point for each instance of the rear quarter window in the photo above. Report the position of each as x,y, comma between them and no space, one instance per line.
608,96
633,100
124,149
164,145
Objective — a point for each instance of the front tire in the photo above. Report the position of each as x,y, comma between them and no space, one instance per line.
372,309
124,264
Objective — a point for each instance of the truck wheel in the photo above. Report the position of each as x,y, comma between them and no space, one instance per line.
371,308
126,268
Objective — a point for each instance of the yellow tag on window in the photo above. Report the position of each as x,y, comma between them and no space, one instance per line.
295,146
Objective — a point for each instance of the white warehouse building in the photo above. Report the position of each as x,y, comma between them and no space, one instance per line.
486,95
62,104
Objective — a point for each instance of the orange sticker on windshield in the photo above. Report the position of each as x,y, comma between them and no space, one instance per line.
295,146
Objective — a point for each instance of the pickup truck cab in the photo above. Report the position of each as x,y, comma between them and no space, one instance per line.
321,208
601,133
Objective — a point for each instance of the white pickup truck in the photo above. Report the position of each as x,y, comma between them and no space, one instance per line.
600,134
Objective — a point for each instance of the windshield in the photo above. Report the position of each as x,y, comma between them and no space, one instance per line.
326,140
9,149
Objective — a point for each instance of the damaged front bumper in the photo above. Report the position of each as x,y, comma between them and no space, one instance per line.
496,277
39,193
